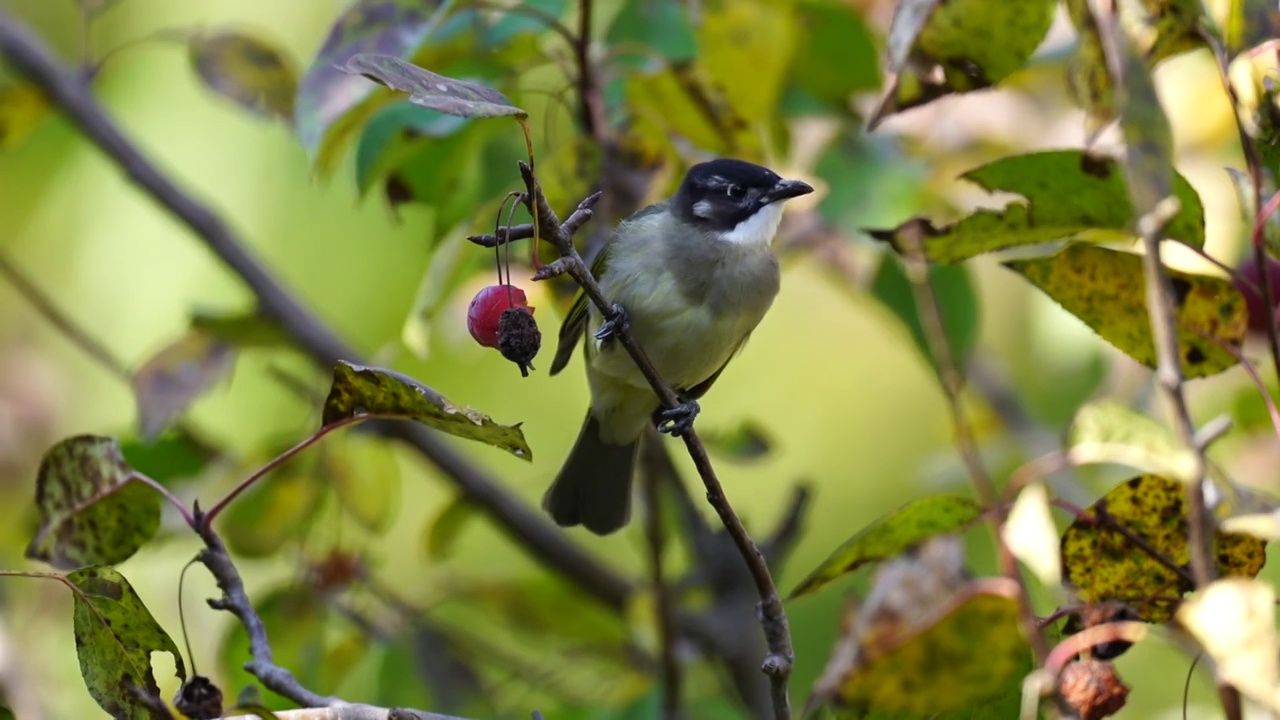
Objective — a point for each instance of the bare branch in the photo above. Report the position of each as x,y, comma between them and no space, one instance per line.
930,311
656,474
67,90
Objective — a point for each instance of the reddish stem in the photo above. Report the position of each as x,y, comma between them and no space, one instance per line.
167,495
206,519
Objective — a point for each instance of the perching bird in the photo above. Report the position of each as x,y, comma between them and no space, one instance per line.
695,274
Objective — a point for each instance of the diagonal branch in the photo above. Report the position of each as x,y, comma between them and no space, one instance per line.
778,663
67,90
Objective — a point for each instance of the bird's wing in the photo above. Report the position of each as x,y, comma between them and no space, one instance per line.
575,323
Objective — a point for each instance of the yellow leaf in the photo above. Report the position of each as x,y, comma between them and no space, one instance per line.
1106,290
1234,621
1031,535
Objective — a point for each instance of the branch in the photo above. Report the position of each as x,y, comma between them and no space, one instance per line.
656,473
930,311
68,91
778,663
349,712
1164,331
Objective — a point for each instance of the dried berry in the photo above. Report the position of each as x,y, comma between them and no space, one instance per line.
1093,688
519,338
484,315
199,699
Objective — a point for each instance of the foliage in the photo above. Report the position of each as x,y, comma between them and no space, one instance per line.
640,90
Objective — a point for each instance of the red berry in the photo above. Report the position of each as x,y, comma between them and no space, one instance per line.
1251,290
484,315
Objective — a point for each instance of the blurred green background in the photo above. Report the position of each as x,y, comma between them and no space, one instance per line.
850,403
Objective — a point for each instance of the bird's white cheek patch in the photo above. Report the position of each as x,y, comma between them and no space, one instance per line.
702,209
758,229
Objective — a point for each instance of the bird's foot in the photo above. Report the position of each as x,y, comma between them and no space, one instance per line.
678,421
615,322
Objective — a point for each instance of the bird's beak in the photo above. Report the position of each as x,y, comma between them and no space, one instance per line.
787,189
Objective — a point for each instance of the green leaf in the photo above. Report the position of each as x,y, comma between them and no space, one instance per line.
171,458
395,134
115,636
1068,194
1250,23
331,104
1105,289
22,109
1089,80
937,48
1103,564
363,471
957,299
249,71
277,507
745,442
93,509
746,48
443,531
436,92
169,382
386,393
839,57
891,535
660,27
1107,429
515,23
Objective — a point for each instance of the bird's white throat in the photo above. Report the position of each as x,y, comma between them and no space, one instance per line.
758,229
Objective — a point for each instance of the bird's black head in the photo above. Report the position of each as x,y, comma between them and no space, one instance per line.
722,194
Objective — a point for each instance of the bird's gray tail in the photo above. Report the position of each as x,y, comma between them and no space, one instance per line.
593,488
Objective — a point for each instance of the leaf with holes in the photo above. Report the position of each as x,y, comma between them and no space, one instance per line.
331,105
385,393
115,636
937,48
1103,563
1068,194
93,511
169,382
251,72
436,92
891,535
1105,289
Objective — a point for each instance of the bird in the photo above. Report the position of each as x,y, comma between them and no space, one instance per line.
690,277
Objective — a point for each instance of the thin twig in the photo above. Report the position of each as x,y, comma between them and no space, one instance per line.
929,309
45,305
655,467
591,104
68,91
1164,330
778,663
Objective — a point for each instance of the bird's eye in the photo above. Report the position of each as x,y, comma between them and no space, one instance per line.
737,192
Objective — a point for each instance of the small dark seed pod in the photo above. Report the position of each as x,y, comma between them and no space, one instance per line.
199,699
519,338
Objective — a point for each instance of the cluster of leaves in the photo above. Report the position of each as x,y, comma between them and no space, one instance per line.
667,81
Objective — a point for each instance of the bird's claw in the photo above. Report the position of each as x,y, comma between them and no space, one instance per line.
678,421
616,322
